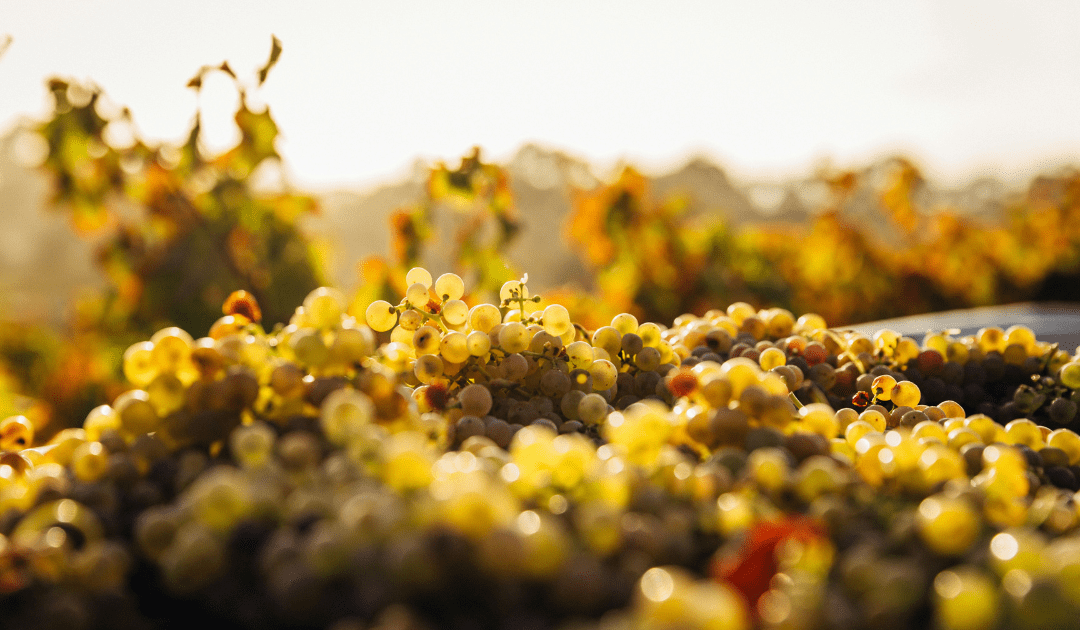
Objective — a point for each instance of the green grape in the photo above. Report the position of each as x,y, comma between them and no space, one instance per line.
100,419
579,354
426,340
137,416
500,432
1067,441
514,337
455,313
350,344
1068,375
219,498
819,418
882,387
410,319
608,338
308,347
625,323
604,374
554,383
139,365
886,339
449,286
947,525
172,347
479,343
771,358
1062,410
514,367
417,295
569,403
557,320
155,528
647,359
754,326
907,349
454,347
380,316
650,334
906,394
779,322
1024,431
990,338
252,446
809,322
768,467
402,335
89,461
513,290
418,275
739,311
428,367
1014,354
195,559
581,380
592,409
484,317
324,307
475,400
344,414
966,598
936,341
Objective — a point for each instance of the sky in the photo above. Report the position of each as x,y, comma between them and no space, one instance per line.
767,89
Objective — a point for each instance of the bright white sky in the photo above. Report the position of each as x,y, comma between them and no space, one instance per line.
765,88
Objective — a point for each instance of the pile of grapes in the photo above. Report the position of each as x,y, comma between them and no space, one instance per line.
499,466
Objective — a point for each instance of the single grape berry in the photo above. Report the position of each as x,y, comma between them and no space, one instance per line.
242,303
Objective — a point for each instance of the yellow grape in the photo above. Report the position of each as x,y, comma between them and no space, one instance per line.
380,316
625,323
455,313
882,387
966,598
324,307
139,365
739,311
426,340
557,320
478,343
449,286
454,347
906,394
514,337
947,525
417,295
484,317
418,275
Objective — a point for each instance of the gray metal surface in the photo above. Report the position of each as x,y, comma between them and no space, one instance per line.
1052,322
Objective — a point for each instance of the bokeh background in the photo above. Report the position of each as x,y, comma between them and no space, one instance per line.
859,160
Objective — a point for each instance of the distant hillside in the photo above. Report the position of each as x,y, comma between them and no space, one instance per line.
43,264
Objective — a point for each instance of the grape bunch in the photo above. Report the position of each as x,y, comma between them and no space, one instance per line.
500,466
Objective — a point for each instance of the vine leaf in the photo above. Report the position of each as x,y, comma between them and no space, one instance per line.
275,54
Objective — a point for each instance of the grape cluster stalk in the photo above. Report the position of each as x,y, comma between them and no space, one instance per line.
497,465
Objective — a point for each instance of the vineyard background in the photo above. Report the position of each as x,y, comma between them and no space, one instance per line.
107,242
